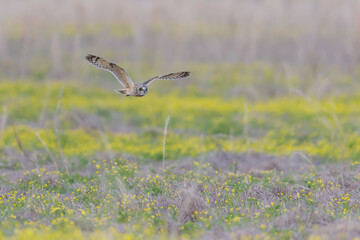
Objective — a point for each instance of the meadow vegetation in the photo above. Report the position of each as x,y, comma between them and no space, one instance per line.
262,140
235,167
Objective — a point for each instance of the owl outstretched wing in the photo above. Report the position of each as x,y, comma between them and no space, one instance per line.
169,76
120,73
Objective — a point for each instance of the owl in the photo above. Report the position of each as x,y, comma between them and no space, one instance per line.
131,88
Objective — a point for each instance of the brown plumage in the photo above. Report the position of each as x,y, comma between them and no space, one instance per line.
131,88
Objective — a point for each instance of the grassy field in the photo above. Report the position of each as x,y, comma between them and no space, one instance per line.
81,162
261,142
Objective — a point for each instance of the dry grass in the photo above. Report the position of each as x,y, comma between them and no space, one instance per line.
205,202
191,203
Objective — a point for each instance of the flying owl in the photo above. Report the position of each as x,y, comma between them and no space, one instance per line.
131,88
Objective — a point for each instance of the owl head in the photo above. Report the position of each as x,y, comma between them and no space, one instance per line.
142,90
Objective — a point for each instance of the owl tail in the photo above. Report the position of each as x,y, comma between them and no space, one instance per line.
121,91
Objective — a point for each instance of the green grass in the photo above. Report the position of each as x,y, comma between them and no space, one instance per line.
282,166
118,193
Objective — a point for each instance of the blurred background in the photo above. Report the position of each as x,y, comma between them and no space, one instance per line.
312,40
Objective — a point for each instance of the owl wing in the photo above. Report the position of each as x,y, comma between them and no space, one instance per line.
169,76
120,73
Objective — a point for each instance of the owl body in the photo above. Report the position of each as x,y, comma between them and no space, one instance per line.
138,90
131,88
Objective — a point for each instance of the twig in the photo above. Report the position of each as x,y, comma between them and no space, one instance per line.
22,149
47,150
107,144
165,131
3,122
57,132
309,160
